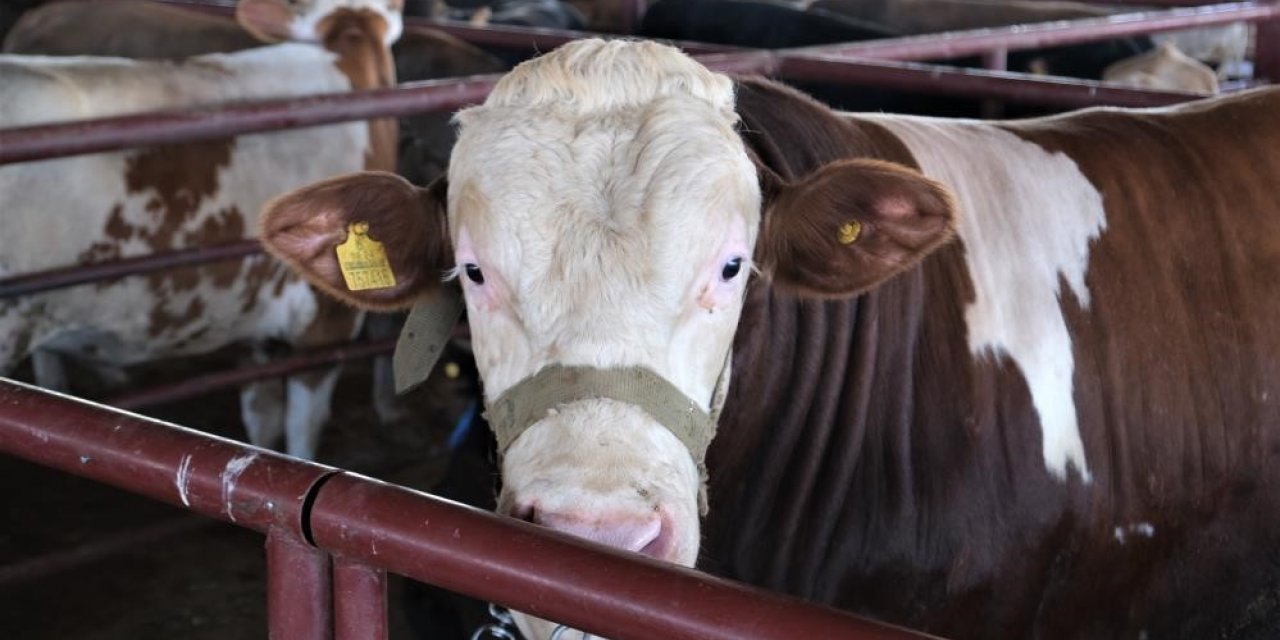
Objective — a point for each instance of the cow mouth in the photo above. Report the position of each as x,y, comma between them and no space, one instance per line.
651,534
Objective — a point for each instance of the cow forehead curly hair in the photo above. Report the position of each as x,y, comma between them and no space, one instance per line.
594,76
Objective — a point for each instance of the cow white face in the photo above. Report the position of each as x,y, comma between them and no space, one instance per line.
612,230
303,20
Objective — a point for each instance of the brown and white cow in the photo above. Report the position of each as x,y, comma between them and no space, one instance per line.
992,379
146,29
113,205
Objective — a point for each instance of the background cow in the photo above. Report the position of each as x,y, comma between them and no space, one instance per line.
143,29
113,205
1059,424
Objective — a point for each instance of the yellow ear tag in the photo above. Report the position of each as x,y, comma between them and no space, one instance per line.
849,232
363,260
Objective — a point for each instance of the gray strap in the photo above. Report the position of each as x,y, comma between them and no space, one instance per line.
721,392
422,340
531,399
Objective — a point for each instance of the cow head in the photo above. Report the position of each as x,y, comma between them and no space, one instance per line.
602,210
305,20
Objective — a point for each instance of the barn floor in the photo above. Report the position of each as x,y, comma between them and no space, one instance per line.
85,561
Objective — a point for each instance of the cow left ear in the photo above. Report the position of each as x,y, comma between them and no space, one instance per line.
370,239
851,225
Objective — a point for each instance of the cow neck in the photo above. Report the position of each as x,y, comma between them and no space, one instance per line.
825,391
356,36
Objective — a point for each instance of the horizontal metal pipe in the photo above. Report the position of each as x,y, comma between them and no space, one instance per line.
214,476
40,142
478,553
59,140
299,589
1152,3
1018,87
538,39
41,281
528,568
1047,34
204,384
492,35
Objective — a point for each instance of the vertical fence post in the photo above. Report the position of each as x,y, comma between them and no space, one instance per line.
1267,49
299,593
994,60
359,601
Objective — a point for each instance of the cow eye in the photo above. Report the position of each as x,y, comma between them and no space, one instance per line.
473,273
731,269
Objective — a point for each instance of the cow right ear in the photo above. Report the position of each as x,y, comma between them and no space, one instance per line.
372,239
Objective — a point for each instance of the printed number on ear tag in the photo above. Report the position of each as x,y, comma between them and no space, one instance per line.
363,260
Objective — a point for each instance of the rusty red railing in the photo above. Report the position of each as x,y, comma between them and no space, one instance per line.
331,534
829,63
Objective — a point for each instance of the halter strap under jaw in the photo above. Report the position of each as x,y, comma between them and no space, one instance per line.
529,401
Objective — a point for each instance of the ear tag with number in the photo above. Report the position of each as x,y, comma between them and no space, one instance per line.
363,260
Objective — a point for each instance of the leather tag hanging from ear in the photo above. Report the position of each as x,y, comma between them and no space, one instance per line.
422,340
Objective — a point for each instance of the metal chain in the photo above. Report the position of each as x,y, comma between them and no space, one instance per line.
503,627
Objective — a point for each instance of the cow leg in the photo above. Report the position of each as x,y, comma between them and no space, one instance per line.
50,370
309,400
309,393
262,408
385,401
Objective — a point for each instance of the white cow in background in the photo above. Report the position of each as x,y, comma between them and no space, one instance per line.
114,205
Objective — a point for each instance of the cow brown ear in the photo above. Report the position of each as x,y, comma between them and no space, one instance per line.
305,227
851,225
267,20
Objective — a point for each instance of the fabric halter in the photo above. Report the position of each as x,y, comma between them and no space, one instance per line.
428,327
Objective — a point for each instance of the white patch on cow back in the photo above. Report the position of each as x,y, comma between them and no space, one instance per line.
1027,217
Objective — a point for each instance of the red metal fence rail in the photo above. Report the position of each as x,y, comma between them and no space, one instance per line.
1187,14
309,511
70,276
492,35
1049,34
57,140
